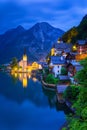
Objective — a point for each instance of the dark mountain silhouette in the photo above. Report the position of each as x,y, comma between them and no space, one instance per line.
76,33
37,40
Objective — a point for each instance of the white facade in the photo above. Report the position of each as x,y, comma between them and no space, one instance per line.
57,70
23,63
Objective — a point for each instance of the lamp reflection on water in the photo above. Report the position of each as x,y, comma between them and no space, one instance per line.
24,82
23,77
34,79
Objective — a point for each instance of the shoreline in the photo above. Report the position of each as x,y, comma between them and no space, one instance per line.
51,87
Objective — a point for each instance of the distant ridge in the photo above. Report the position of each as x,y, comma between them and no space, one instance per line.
37,40
76,33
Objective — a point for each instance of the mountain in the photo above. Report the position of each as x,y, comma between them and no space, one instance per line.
37,40
75,33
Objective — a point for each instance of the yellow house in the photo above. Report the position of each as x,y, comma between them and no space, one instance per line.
35,66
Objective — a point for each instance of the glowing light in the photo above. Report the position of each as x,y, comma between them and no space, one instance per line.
15,69
58,41
34,79
80,52
20,69
16,75
80,57
74,48
24,57
20,76
24,70
25,75
40,67
28,75
35,65
52,51
29,68
25,82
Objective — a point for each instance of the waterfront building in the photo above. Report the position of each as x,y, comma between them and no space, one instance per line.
23,63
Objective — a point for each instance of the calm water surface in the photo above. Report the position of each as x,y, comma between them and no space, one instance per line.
27,106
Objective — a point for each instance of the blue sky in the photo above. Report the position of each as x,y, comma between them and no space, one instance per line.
62,14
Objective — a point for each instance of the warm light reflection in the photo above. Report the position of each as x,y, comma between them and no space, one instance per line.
20,76
34,79
28,75
16,75
23,77
25,82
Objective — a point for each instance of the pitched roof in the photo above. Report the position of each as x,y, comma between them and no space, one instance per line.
63,46
81,42
77,65
78,68
57,60
64,77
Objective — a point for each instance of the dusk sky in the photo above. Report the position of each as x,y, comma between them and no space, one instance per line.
62,14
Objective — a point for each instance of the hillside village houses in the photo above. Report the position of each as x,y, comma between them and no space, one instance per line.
81,46
65,55
62,55
56,63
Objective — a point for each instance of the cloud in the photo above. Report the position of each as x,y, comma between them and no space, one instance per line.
60,13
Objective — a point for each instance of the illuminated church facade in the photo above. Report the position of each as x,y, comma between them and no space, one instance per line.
23,63
24,67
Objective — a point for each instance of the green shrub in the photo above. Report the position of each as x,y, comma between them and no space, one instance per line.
51,79
63,71
71,92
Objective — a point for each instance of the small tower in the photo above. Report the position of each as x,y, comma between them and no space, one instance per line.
24,61
53,50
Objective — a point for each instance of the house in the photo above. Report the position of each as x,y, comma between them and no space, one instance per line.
56,63
81,46
73,67
77,66
70,57
62,46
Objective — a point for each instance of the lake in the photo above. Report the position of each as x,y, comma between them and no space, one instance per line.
25,105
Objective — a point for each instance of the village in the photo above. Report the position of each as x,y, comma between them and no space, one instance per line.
57,72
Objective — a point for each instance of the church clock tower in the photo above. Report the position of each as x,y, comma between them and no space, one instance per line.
24,61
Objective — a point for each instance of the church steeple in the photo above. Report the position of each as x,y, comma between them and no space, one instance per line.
24,61
24,51
24,55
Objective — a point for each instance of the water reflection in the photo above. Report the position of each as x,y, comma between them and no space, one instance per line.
23,77
20,108
36,93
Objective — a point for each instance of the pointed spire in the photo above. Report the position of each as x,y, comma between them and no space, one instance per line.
24,51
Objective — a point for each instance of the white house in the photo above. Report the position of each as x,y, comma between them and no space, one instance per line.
56,63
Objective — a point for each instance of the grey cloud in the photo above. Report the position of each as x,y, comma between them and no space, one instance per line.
60,13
